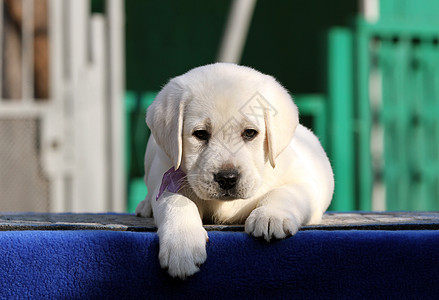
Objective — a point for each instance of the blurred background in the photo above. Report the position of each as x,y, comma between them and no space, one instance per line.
76,77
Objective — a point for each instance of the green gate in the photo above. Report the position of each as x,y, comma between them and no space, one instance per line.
398,106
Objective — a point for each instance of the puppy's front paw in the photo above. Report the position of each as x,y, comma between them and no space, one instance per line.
268,222
143,209
182,251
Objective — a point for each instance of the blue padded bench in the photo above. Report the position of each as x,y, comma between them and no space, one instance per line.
114,256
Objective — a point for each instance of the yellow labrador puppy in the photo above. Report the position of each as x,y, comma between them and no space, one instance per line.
227,148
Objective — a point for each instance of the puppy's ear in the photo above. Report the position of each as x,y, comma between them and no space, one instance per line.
165,119
281,119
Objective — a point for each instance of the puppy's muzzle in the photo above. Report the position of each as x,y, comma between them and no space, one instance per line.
227,179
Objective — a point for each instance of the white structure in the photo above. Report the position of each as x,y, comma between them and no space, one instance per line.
235,34
74,139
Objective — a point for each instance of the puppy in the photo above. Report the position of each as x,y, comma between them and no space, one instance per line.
227,148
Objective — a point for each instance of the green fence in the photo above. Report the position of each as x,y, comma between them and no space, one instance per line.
399,124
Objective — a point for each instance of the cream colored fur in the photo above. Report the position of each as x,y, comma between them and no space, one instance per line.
285,179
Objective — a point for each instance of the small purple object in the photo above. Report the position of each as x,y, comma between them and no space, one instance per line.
172,181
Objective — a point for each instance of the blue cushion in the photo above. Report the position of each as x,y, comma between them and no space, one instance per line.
98,264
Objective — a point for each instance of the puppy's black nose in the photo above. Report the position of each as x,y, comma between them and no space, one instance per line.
226,179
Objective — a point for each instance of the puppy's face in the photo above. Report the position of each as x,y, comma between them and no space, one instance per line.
223,124
224,151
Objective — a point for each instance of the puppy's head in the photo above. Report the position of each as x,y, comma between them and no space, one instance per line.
222,124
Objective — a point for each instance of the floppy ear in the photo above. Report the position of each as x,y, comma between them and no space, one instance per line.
281,119
165,119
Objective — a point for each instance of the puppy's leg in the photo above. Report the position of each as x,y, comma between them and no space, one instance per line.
181,235
143,209
281,212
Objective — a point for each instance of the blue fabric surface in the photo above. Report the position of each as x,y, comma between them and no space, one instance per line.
312,264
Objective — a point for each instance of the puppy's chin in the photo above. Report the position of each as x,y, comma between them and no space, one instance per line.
225,197
219,195
228,198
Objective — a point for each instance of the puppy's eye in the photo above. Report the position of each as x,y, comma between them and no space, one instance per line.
202,135
249,134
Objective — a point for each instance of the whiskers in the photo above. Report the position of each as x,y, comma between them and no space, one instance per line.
205,188
185,187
